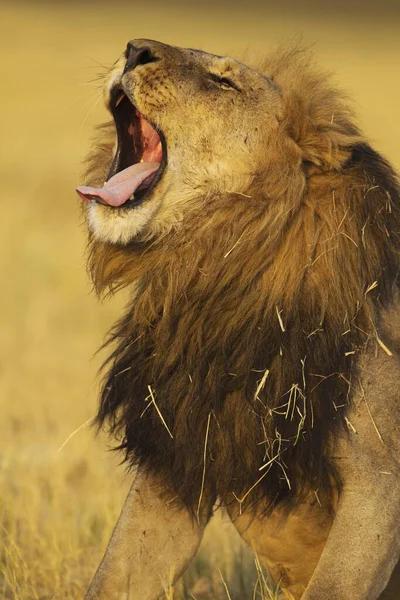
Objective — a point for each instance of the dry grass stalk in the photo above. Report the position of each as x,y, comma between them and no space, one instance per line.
204,467
261,384
383,346
71,435
373,420
278,314
225,585
350,425
153,401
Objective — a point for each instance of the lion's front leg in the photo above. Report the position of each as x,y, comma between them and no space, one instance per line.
363,546
153,542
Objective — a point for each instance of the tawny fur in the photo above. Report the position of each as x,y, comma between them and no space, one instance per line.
287,275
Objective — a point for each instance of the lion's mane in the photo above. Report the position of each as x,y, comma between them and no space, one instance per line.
247,320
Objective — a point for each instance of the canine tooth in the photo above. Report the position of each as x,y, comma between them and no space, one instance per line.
122,96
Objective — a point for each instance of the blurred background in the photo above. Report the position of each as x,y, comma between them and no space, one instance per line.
60,495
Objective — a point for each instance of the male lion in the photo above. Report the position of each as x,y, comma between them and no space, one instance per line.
258,363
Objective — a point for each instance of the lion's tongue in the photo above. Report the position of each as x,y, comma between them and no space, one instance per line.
119,189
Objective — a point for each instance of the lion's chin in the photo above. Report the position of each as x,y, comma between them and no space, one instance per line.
119,226
148,220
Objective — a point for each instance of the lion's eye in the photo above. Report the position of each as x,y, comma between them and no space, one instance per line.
224,83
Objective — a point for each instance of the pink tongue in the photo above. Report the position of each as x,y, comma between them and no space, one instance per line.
119,189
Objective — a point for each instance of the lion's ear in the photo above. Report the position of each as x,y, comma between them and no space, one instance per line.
324,135
317,115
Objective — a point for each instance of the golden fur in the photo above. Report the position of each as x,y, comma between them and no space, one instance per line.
263,267
276,276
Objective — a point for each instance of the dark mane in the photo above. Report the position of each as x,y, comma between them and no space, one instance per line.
248,319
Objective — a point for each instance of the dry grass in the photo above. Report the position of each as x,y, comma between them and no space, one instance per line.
57,508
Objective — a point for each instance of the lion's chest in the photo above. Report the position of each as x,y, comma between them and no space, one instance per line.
288,545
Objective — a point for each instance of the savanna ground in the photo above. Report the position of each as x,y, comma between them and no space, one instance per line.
58,505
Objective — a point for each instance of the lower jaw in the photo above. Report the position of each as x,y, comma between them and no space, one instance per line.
120,227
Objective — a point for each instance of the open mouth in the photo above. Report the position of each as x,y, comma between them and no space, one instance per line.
139,162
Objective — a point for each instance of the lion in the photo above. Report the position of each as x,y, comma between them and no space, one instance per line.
257,366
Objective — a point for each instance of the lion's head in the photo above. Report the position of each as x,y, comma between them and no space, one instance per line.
188,126
263,235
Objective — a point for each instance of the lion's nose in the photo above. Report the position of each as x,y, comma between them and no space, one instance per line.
136,56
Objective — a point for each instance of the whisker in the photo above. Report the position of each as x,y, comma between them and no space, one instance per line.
90,111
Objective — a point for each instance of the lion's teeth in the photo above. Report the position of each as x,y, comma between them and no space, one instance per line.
122,96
